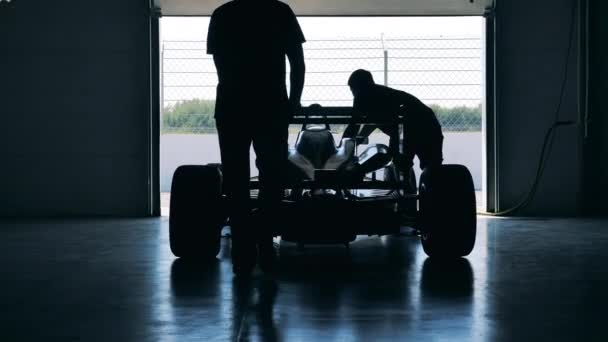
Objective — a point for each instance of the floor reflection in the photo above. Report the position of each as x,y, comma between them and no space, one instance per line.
526,280
326,293
191,279
447,279
253,309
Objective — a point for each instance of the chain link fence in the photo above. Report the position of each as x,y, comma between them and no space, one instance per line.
445,73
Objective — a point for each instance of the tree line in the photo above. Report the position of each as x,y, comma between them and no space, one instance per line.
196,116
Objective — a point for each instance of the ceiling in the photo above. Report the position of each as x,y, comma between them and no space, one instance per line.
342,7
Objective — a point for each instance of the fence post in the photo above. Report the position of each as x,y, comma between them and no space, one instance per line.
162,83
385,60
386,68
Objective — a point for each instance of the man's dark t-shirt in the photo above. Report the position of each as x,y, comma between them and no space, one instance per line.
249,41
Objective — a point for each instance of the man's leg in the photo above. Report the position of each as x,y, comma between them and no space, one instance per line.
431,154
234,148
270,144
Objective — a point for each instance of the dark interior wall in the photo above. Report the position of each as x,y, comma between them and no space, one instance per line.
596,145
531,47
74,103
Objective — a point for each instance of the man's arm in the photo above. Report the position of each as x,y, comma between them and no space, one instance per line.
218,66
295,54
213,42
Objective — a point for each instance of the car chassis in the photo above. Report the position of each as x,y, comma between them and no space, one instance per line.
327,205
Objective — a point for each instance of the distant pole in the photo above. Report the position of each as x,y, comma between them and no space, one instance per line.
385,60
162,81
386,68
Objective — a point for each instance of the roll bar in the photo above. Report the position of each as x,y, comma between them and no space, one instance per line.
336,115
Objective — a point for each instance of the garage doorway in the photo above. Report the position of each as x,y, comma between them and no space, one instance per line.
438,59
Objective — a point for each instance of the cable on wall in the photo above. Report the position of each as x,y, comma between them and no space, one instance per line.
550,135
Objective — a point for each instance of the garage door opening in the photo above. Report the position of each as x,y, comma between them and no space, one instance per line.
438,59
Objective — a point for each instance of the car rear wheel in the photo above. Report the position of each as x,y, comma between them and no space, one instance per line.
448,221
196,214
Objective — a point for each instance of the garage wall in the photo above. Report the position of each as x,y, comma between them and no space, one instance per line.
74,103
596,146
531,44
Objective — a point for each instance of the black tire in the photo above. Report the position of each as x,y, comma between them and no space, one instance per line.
448,213
196,214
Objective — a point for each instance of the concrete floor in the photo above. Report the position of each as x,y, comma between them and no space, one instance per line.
116,280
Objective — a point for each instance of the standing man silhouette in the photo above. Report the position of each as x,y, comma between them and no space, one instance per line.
249,40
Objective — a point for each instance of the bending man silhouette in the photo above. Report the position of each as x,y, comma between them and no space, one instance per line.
249,40
423,137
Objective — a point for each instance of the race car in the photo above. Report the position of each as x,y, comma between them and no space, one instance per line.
333,194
